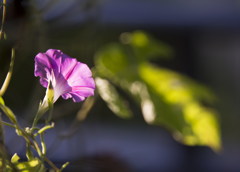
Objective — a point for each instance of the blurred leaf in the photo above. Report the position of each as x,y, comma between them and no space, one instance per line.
201,92
34,165
197,125
113,60
145,46
166,98
7,167
114,101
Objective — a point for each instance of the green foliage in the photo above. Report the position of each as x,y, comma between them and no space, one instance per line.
145,46
34,165
114,101
166,98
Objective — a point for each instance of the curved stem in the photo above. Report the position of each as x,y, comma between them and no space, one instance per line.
9,75
44,129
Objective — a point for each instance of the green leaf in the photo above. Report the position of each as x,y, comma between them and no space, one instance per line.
111,59
195,124
165,97
145,46
34,165
15,158
114,101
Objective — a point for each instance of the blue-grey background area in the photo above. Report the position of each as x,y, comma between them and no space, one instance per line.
206,38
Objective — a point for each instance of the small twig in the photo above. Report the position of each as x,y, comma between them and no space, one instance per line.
64,166
3,18
81,115
44,129
51,164
8,124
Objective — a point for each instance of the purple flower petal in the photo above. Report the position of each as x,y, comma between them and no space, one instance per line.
70,78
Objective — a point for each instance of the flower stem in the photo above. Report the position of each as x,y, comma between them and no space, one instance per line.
40,112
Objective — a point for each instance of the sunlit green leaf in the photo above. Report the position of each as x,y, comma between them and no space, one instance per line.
15,158
200,92
199,124
28,166
165,97
114,101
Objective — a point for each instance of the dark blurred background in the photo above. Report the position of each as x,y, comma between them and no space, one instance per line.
205,36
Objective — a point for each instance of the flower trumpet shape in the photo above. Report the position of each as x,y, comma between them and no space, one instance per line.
68,77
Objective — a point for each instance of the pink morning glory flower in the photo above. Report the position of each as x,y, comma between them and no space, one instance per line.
69,78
